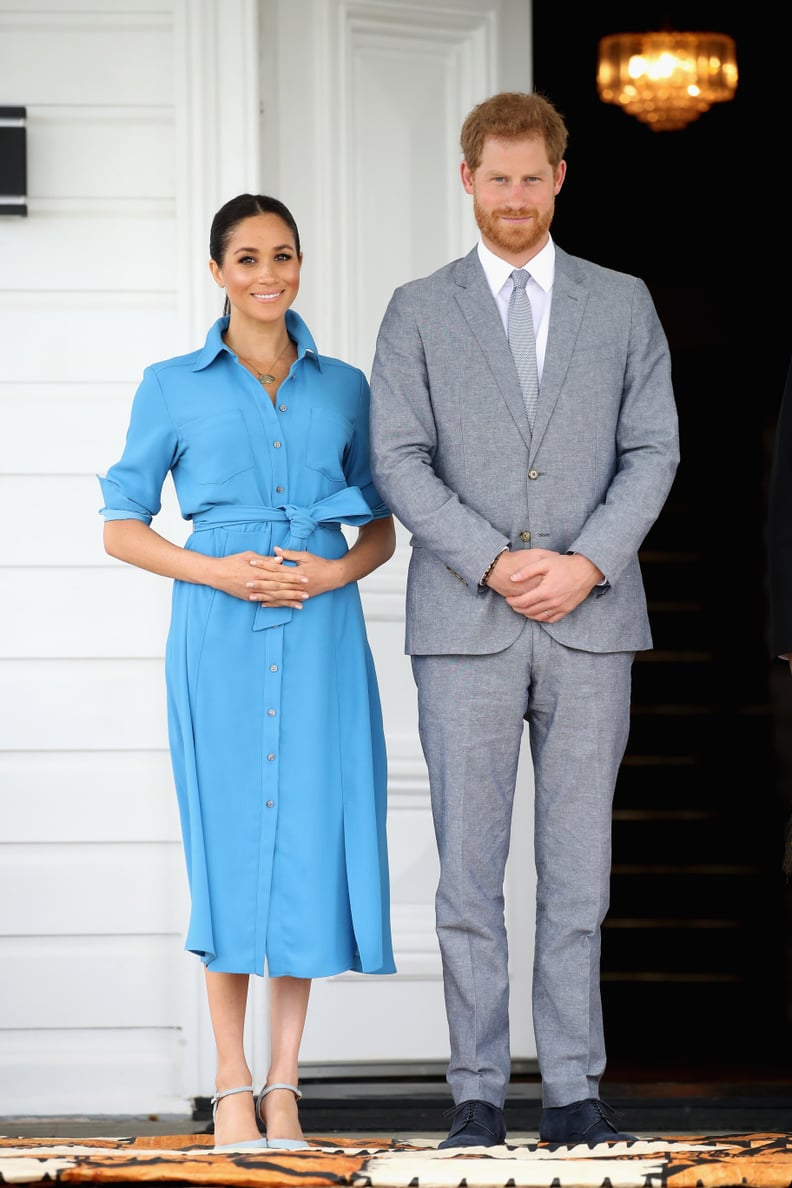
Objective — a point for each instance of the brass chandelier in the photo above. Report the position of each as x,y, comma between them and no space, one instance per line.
666,79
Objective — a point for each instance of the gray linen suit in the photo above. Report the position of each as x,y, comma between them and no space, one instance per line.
454,457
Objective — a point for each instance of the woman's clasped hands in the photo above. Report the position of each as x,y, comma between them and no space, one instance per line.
287,579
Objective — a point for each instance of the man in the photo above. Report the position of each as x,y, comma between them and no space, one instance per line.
524,598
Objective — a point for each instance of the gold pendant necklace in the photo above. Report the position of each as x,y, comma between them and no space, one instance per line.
265,377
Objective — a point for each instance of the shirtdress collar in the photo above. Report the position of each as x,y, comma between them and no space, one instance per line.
295,326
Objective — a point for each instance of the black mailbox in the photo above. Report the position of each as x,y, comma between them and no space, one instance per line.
13,161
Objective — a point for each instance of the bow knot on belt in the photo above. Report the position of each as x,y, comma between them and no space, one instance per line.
346,506
302,522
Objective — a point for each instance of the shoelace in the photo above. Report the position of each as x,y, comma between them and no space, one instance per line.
469,1114
608,1114
468,1111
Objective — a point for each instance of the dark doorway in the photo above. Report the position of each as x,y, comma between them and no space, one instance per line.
696,951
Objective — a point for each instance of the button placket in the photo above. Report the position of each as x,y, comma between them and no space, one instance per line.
271,718
278,458
271,674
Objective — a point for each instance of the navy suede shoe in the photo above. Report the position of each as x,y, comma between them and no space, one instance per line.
590,1121
475,1124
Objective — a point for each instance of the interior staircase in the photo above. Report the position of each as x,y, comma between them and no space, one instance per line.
695,947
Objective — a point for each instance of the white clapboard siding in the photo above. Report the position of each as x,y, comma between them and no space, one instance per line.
63,528
93,612
126,981
88,54
82,704
53,1071
87,797
138,165
37,419
93,234
106,889
85,336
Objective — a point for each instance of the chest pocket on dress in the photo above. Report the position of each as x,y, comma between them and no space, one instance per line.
217,448
328,439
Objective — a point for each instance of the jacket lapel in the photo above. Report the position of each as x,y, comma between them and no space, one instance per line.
566,313
481,314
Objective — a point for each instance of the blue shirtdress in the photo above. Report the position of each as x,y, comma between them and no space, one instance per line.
274,716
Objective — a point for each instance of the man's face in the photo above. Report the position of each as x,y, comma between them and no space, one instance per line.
514,191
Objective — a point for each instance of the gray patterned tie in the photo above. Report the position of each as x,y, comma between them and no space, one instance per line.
523,343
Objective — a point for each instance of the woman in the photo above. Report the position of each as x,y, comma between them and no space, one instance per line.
274,716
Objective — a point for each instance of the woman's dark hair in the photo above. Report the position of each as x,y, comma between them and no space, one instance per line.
245,206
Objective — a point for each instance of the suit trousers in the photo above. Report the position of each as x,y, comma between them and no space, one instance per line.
472,710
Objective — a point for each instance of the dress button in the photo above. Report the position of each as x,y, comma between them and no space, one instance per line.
533,474
277,445
270,756
273,668
525,535
270,803
279,490
282,407
271,713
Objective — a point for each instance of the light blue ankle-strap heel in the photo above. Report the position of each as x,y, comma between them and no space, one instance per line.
280,1144
250,1144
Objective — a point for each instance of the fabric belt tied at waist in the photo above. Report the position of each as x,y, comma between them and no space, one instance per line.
344,507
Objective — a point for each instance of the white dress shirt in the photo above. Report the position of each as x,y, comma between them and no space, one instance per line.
539,289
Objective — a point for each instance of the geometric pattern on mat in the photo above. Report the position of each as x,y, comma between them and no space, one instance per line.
722,1161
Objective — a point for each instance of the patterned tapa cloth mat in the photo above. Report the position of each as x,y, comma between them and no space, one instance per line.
723,1161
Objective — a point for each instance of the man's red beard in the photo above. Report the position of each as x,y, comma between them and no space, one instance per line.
513,237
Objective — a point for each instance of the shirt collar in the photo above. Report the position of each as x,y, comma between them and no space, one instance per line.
296,327
497,270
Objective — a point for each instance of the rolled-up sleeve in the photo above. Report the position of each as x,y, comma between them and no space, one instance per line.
357,465
132,487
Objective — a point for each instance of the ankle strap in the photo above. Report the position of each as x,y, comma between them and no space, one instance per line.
219,1095
280,1085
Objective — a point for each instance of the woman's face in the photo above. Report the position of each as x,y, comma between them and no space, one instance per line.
260,270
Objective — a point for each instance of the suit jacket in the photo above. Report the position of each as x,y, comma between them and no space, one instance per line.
453,455
779,529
